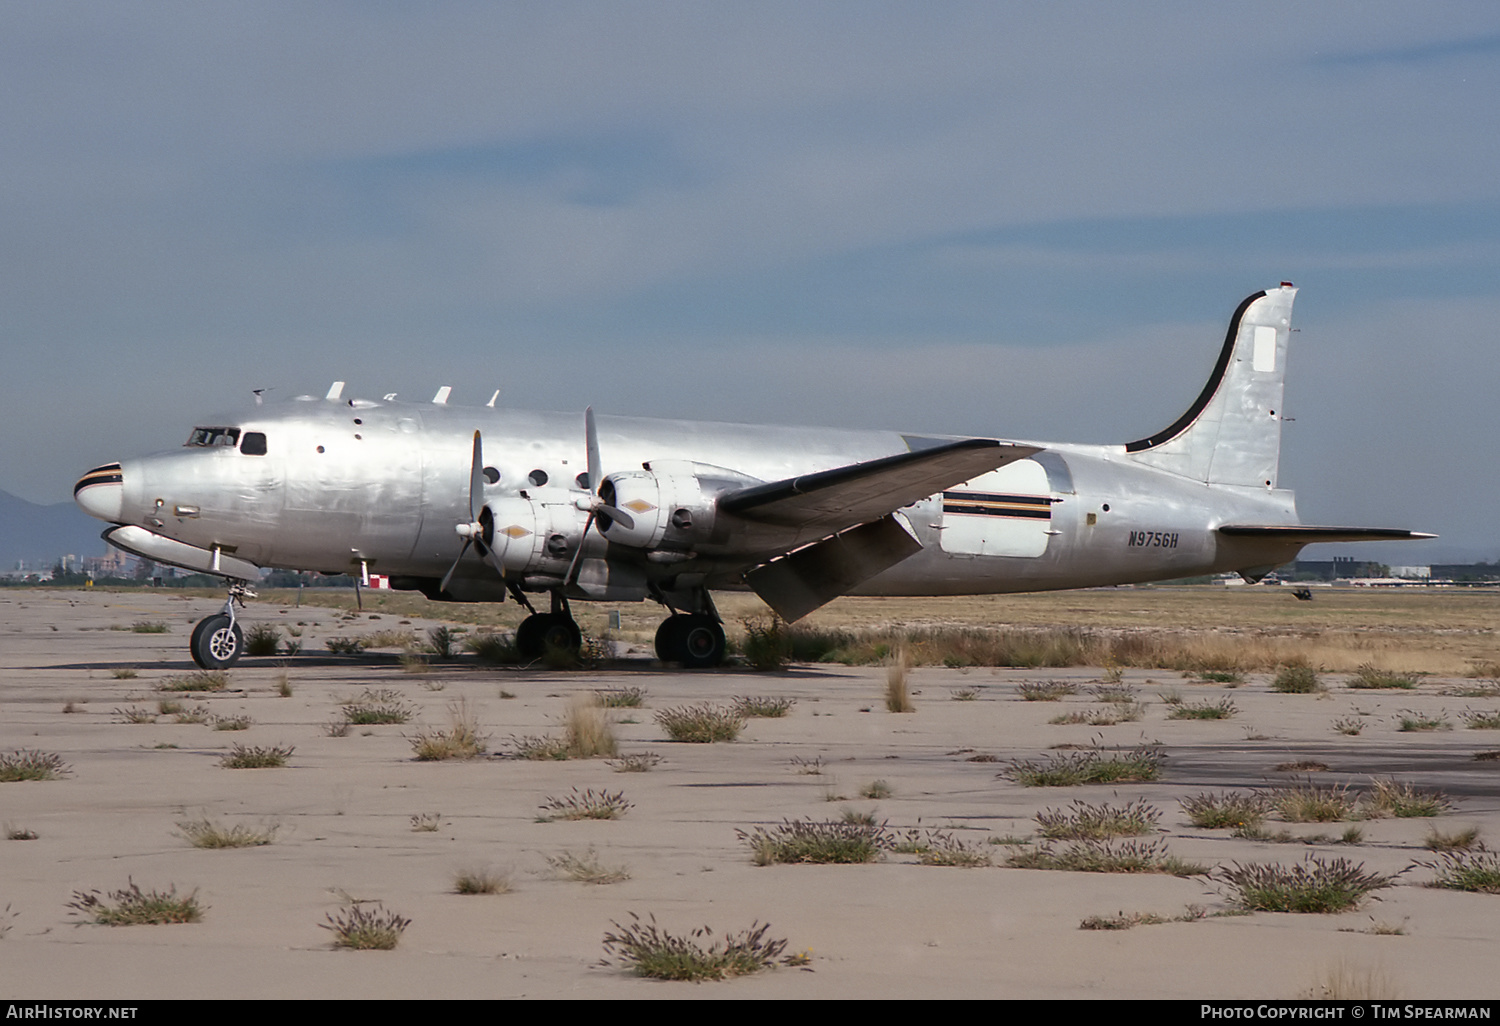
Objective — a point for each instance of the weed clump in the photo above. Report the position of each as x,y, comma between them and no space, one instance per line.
481,881
635,762
1390,797
29,764
1086,822
1106,716
810,841
1459,840
249,757
1486,719
1088,767
587,730
762,706
375,707
766,645
586,805
494,649
941,848
1231,809
1367,678
1220,710
132,906
1314,885
1309,803
1046,690
149,627
1106,857
701,724
1296,680
586,868
621,698
203,680
205,833
645,949
362,929
461,740
263,639
1477,870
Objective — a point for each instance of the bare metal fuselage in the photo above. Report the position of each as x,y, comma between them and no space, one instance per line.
385,484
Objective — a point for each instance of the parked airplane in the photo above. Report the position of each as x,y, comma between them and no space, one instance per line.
474,504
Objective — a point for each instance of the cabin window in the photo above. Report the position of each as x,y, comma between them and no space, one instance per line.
254,444
537,477
210,437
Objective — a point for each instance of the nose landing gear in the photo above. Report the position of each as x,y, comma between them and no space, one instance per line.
217,641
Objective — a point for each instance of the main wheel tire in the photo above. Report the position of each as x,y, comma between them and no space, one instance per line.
701,643
217,642
668,638
540,631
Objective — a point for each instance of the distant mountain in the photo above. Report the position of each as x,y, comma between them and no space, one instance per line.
44,533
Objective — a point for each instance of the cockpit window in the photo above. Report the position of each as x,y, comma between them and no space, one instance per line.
254,444
208,437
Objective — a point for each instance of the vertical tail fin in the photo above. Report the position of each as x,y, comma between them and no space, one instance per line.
1232,434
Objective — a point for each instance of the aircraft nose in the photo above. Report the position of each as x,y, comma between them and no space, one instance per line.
101,492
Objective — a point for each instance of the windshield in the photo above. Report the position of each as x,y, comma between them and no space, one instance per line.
205,437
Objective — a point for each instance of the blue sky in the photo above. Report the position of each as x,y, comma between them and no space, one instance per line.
1019,219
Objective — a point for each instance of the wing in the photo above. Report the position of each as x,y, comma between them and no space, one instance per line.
861,492
848,515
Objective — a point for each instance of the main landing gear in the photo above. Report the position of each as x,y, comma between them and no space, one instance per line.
217,641
696,640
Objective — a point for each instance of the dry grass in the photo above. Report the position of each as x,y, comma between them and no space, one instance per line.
586,868
1390,797
203,680
462,739
1232,809
587,730
897,690
482,880
1309,803
1344,981
254,757
635,762
205,833
1046,690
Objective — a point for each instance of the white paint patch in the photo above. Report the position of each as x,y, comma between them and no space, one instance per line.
1265,348
999,536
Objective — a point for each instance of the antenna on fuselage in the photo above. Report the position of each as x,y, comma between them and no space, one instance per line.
260,395
441,399
491,403
335,390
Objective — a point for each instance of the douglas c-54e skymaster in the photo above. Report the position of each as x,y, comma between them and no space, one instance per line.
480,504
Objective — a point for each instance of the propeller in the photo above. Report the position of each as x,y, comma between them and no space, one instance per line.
472,532
594,504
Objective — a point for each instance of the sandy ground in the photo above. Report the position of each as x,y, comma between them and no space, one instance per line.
345,805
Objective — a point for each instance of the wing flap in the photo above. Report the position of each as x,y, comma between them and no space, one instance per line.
861,492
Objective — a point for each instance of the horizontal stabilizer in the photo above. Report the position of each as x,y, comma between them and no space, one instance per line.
1305,534
796,584
861,492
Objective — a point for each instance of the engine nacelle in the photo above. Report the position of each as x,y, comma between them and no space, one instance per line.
532,535
672,503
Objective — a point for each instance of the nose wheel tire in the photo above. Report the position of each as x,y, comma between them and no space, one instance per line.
542,631
217,642
696,641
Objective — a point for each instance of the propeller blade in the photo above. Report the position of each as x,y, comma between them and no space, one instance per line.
476,480
573,566
614,513
591,440
448,577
